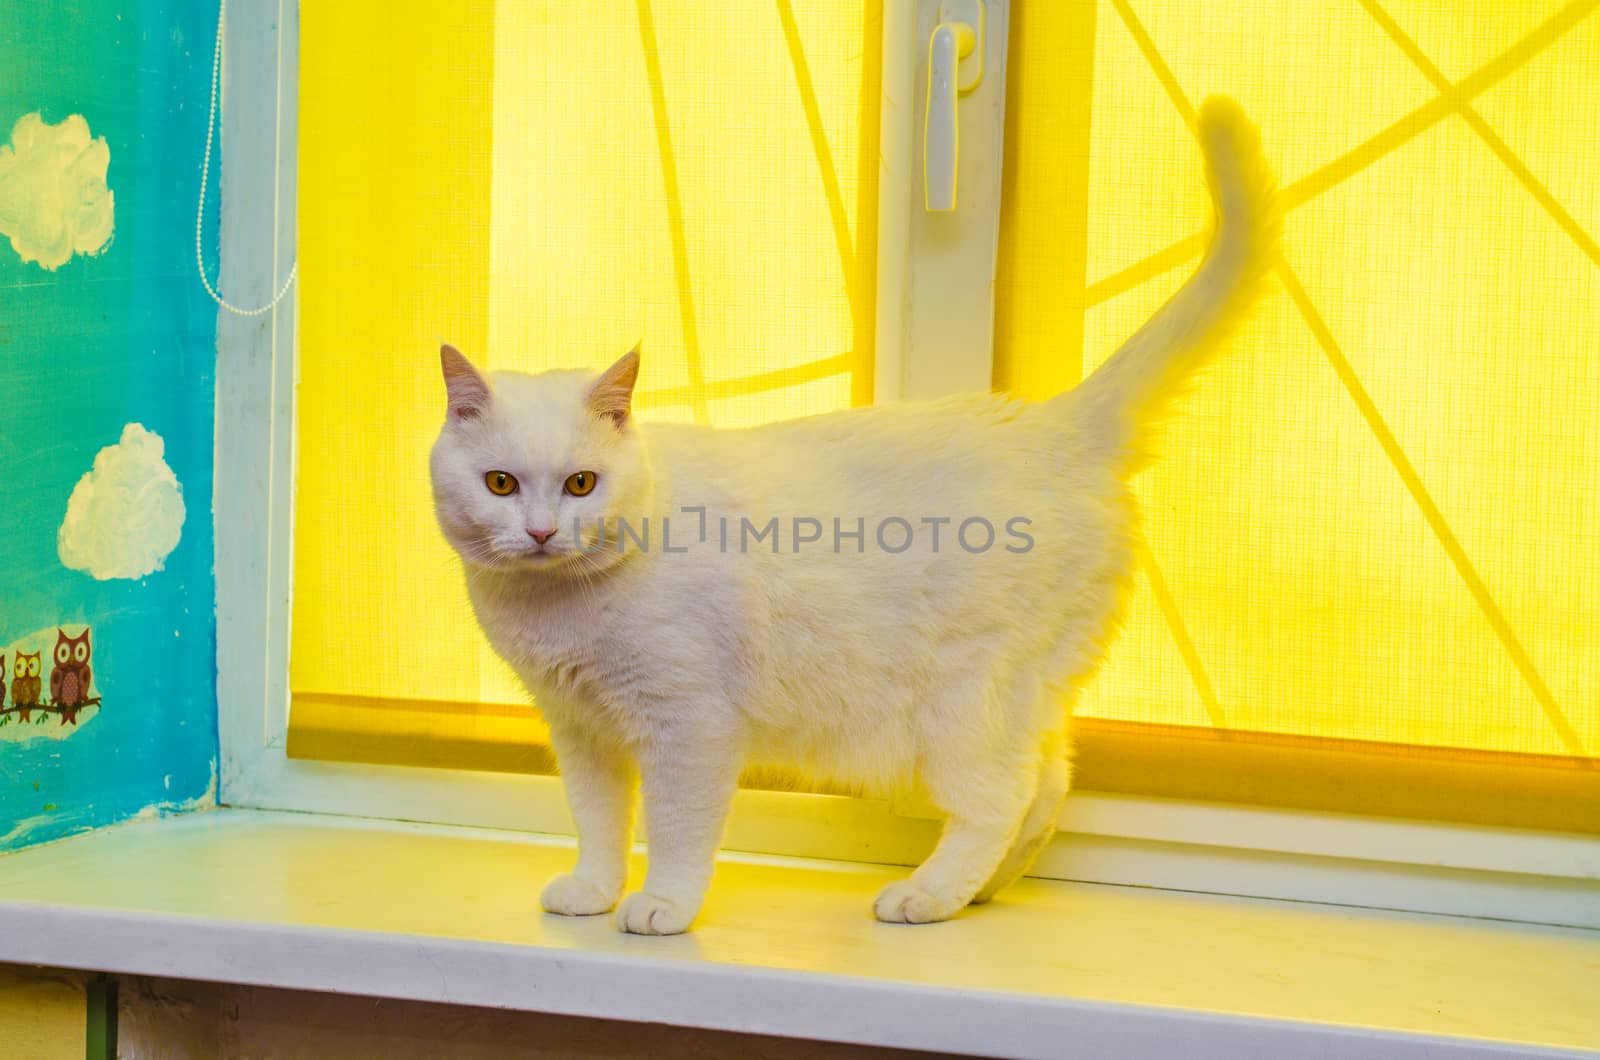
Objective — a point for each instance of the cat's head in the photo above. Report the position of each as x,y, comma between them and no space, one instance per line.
523,458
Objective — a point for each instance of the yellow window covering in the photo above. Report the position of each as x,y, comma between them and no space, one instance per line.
1373,575
543,184
1377,519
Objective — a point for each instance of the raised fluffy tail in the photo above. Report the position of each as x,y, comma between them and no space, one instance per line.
1134,387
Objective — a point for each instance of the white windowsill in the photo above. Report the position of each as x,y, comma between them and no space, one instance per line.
786,947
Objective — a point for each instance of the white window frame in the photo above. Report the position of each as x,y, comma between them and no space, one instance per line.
1422,866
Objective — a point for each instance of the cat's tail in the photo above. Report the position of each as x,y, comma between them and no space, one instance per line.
1118,403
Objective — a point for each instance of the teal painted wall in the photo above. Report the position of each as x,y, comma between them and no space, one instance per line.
123,336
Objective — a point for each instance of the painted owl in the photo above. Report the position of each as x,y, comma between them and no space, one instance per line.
25,683
69,680
2,678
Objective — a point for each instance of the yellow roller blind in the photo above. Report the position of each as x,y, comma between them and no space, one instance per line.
1378,518
1373,573
543,184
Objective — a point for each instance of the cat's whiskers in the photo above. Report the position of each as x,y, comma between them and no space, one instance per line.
483,552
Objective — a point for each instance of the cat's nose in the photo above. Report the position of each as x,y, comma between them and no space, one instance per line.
542,536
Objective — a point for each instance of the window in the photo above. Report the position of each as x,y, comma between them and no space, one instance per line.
549,183
1371,540
1371,583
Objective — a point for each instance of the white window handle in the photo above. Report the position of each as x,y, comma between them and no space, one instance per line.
955,66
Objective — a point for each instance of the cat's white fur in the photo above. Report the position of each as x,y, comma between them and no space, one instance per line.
941,669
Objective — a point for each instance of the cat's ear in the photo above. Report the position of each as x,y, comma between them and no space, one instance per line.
468,390
611,397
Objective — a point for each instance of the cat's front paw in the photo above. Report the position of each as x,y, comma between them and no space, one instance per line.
572,895
903,902
650,914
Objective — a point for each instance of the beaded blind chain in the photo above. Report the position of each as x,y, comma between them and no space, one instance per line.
205,172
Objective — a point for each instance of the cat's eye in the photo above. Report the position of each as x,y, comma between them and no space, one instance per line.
581,483
501,483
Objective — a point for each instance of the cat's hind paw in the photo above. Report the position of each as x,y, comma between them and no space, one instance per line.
903,902
650,914
572,895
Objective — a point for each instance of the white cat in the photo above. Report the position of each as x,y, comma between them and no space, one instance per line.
822,595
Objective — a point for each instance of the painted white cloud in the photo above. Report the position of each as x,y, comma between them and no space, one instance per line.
126,515
53,196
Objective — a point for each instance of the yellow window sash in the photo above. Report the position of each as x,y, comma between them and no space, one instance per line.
1169,761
